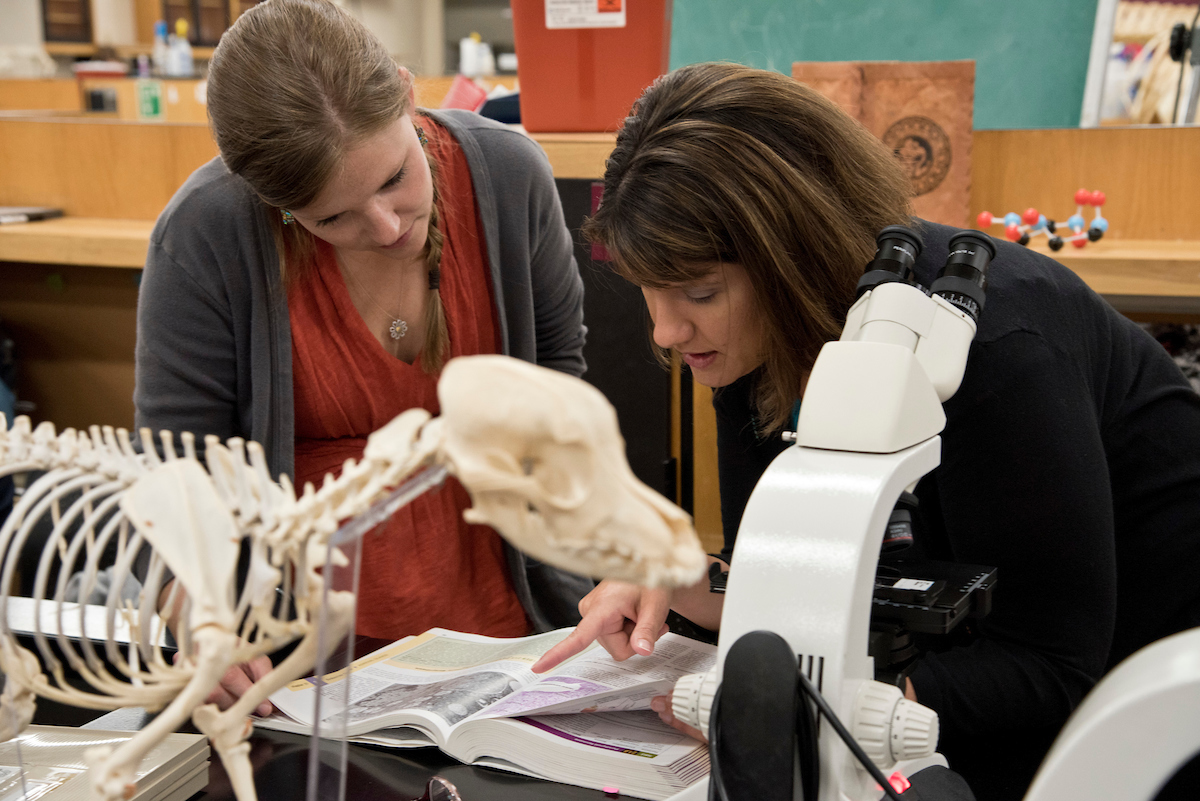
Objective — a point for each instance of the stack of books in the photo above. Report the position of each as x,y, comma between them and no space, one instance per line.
49,765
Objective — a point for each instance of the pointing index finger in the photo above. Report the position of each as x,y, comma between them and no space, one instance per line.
573,643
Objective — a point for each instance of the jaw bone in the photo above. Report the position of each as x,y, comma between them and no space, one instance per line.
543,459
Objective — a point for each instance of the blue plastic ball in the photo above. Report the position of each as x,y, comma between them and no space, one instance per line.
1012,218
1075,223
1100,223
1041,223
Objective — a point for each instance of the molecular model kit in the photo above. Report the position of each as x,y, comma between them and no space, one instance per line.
1020,227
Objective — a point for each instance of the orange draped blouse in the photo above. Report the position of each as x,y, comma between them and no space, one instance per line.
425,566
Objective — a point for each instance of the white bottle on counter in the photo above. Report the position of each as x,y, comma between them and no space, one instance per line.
469,55
179,57
161,54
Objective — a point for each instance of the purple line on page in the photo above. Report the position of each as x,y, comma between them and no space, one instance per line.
592,743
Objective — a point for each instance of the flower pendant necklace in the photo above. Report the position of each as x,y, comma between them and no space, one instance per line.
399,327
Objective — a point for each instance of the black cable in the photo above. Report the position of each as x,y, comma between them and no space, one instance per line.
808,748
1183,60
847,738
716,782
806,742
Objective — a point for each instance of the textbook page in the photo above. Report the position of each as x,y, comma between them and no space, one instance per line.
428,683
595,682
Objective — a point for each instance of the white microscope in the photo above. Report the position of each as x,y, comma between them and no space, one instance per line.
797,609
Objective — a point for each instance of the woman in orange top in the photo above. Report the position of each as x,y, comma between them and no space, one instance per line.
306,287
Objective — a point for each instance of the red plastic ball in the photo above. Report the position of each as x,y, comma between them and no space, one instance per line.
1030,217
1080,242
1012,232
984,220
1083,197
1098,198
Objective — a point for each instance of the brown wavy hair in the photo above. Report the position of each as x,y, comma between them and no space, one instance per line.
293,85
719,162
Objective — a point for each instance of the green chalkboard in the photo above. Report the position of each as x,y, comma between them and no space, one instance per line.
1030,56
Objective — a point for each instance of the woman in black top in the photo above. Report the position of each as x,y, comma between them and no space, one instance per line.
746,205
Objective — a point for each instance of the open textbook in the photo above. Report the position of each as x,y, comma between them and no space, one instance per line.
587,722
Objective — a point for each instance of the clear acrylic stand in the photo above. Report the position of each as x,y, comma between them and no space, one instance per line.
12,777
333,675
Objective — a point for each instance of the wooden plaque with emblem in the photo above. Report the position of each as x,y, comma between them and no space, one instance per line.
922,111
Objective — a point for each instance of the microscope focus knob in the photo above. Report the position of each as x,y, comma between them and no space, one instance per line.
890,728
914,731
692,700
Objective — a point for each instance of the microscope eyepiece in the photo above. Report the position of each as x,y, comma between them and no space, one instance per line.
963,281
897,250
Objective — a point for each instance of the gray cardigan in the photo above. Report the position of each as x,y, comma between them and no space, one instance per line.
214,350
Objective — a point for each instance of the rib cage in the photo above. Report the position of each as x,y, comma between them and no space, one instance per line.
106,504
78,501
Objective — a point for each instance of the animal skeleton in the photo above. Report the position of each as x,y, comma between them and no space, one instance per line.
538,451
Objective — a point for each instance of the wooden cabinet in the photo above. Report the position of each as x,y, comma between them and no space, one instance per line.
67,20
207,19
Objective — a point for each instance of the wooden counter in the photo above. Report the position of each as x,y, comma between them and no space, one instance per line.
77,240
1142,278
98,168
577,155
1135,275
183,99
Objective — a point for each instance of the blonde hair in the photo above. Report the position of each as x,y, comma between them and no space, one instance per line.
723,163
293,85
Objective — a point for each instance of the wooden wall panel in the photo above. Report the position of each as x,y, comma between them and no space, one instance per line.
74,329
42,94
1148,173
179,98
707,493
98,169
146,13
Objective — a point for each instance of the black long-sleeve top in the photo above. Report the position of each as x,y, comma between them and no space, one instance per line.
1071,462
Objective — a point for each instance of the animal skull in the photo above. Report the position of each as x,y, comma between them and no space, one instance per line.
543,459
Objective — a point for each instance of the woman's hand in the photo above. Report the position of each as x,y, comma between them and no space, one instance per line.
237,681
662,705
624,618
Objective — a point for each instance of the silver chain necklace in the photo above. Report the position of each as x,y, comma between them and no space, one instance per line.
399,327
